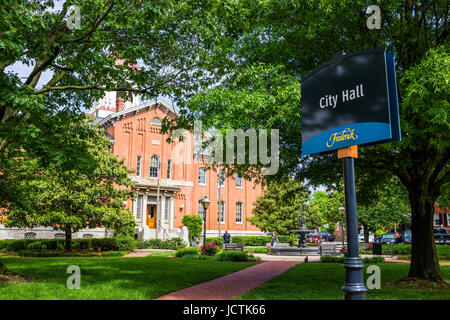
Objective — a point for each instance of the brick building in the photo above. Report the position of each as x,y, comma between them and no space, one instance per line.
134,131
184,180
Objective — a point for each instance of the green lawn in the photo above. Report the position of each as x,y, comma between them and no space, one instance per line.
314,281
111,277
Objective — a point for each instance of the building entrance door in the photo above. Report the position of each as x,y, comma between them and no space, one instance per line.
151,216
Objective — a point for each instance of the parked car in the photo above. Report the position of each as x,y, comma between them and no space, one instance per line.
313,238
407,239
388,238
361,237
326,236
441,236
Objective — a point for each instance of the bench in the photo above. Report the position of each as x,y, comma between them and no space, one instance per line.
233,247
328,250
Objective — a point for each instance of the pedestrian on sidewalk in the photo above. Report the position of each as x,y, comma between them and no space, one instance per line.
226,237
274,239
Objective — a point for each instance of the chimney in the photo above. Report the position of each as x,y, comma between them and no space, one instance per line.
119,103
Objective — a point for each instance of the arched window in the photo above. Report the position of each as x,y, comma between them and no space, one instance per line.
60,235
30,235
156,122
154,166
88,236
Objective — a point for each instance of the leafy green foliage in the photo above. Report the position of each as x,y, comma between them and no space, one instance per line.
186,251
279,207
217,240
388,208
169,244
237,256
194,224
209,249
70,200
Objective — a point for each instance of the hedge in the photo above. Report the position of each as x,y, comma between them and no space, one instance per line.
182,252
30,253
333,259
104,244
217,240
260,240
236,256
170,244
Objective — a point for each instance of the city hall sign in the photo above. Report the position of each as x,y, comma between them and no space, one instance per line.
351,100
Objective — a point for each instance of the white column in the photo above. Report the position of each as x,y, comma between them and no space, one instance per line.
172,212
144,210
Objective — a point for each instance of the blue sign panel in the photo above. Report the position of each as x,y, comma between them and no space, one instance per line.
351,100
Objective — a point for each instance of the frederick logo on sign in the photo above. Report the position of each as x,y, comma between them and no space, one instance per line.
351,100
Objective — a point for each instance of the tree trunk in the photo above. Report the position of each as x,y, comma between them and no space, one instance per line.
366,233
424,261
68,232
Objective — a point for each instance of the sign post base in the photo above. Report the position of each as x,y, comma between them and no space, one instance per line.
354,287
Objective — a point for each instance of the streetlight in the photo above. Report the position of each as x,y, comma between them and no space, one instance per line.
341,211
205,203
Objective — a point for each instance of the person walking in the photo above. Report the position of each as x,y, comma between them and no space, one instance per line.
226,237
274,239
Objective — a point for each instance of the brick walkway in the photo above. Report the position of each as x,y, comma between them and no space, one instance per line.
234,284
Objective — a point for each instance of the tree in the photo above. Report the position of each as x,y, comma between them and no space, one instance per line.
279,207
194,224
296,37
388,208
328,204
180,46
143,47
75,198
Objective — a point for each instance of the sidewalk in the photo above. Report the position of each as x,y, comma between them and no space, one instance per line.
234,284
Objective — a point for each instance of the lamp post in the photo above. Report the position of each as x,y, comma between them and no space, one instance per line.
205,203
341,211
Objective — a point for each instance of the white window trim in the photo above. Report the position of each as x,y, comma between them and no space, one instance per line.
206,177
242,213
224,179
242,183
169,177
223,213
138,160
167,201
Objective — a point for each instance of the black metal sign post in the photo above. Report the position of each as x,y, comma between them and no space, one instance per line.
350,101
354,287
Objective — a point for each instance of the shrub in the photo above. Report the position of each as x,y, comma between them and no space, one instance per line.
16,245
217,240
174,244
236,256
34,246
29,253
4,244
84,244
194,224
209,249
260,240
170,244
368,260
104,244
123,243
186,251
373,260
